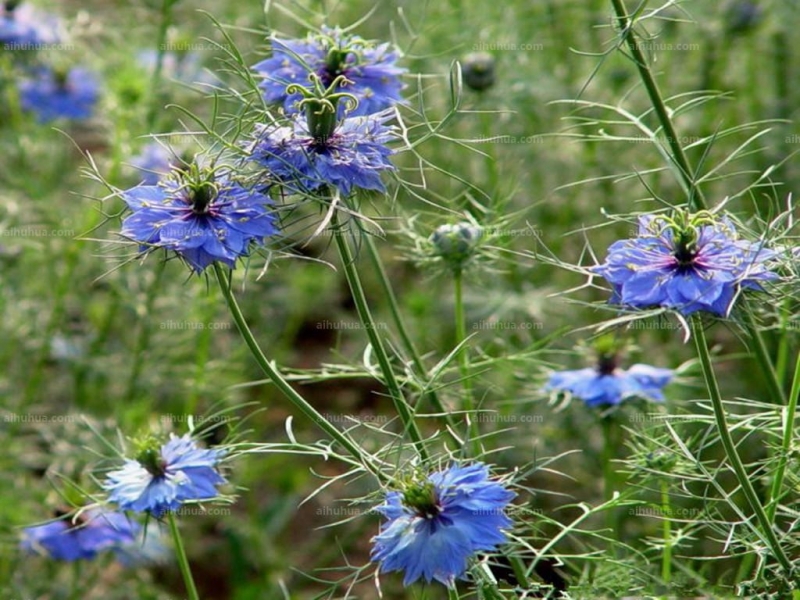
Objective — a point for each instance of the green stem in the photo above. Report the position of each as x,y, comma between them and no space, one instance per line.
786,446
666,558
695,195
155,83
468,405
143,334
730,448
360,300
609,473
277,379
416,359
183,562
519,571
763,358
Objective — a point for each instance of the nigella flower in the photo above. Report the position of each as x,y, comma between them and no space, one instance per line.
353,156
687,263
370,72
24,28
69,538
609,385
436,525
162,477
202,218
54,94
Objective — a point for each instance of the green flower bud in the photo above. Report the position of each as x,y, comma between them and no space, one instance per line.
422,499
660,460
477,70
456,243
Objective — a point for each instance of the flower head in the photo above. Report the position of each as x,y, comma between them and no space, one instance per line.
435,525
202,218
22,27
353,156
161,478
609,386
54,94
369,70
687,263
153,162
82,537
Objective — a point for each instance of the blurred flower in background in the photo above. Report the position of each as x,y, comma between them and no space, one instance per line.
24,28
57,94
599,386
80,537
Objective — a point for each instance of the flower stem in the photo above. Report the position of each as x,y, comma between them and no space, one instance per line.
360,300
183,562
143,334
693,191
788,433
666,557
609,473
394,309
463,360
763,359
277,379
165,20
730,448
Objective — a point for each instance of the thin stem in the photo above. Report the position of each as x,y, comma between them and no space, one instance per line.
180,552
694,193
763,358
666,557
519,571
730,448
277,379
143,334
786,446
161,50
394,309
463,360
364,314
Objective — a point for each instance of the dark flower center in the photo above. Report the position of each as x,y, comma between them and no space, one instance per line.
685,250
10,5
67,516
607,364
152,461
334,65
422,499
201,197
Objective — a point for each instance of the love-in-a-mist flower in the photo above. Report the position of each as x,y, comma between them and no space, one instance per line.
57,94
369,70
607,384
318,150
72,537
688,262
153,162
202,216
437,523
164,476
24,28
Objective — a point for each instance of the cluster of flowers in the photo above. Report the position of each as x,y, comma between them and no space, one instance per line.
335,93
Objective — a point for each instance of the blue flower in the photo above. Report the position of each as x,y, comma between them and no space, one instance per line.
692,264
83,537
183,67
371,69
52,95
24,28
162,478
353,156
202,219
435,526
609,386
